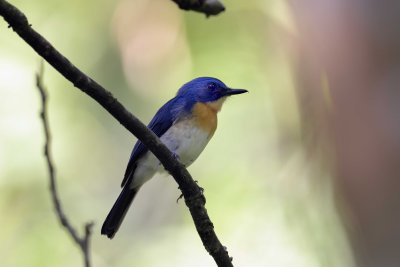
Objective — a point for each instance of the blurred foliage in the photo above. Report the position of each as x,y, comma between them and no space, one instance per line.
270,204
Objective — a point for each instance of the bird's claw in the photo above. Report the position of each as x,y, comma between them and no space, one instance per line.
201,188
201,192
180,197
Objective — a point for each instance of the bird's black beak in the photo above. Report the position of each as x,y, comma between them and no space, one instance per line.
235,92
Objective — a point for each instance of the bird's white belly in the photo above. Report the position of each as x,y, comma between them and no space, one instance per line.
184,139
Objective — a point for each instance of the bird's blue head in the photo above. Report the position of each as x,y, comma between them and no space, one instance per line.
206,89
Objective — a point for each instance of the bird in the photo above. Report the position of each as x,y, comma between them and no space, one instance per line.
185,124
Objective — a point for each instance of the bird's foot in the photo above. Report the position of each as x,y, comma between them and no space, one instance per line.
201,190
201,193
180,197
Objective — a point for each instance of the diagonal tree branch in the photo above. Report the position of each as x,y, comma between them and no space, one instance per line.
192,193
82,242
208,7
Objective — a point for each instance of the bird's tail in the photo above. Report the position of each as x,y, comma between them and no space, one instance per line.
118,211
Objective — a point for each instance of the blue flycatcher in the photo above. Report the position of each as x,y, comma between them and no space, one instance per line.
184,124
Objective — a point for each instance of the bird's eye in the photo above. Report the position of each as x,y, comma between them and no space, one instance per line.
212,86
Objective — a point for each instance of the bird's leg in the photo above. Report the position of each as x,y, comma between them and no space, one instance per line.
176,156
201,188
201,193
180,197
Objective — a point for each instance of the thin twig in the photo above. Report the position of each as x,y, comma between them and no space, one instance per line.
82,242
208,7
194,198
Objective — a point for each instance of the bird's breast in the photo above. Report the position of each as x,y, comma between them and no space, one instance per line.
188,137
205,116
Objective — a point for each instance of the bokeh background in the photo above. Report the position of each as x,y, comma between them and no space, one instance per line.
302,171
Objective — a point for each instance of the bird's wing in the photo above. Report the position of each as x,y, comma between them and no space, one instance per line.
160,123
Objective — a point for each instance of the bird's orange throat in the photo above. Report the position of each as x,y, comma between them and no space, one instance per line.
205,115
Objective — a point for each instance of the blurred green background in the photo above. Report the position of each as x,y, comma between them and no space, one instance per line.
270,204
